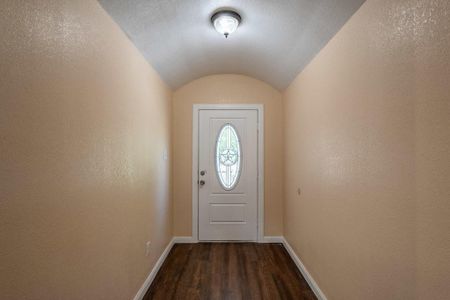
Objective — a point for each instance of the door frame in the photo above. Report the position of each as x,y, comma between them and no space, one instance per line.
260,164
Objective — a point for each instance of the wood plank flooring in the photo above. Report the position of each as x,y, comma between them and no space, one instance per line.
229,271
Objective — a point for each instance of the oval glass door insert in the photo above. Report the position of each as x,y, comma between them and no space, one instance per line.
228,157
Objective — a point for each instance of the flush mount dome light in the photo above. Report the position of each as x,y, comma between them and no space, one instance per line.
226,21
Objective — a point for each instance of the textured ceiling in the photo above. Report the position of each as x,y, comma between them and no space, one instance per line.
275,41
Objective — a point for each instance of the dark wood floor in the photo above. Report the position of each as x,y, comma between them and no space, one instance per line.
229,271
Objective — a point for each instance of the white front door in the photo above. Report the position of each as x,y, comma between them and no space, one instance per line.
228,174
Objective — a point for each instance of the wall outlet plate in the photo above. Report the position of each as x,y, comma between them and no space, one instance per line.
147,248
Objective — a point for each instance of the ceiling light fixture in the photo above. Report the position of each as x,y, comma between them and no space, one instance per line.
226,21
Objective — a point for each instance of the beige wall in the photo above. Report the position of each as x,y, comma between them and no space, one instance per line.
84,122
368,142
226,89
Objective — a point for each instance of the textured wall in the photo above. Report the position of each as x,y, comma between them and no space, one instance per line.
84,121
368,142
225,89
431,35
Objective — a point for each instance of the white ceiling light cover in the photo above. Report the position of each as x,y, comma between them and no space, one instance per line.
226,22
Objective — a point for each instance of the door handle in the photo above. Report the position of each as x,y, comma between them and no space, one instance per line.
201,182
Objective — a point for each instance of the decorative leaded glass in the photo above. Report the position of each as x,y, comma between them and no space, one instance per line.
228,157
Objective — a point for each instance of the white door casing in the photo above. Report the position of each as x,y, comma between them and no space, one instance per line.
224,212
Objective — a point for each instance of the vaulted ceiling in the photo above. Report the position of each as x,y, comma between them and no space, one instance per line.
276,40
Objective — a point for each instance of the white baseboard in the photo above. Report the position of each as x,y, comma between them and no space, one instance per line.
184,240
189,240
141,293
311,282
273,239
